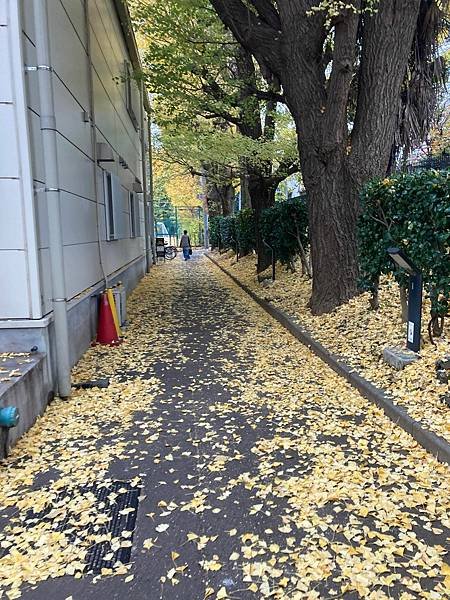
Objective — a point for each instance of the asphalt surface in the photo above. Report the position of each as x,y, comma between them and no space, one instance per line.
241,416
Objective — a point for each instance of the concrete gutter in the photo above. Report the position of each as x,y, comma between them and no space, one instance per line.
434,444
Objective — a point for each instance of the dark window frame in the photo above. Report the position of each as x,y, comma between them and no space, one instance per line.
129,95
109,205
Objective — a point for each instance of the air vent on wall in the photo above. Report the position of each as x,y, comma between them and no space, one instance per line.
104,152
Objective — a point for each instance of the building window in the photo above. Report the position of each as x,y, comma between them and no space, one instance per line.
115,207
129,81
109,206
132,215
135,217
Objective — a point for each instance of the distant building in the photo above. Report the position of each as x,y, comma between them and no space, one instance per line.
291,187
101,162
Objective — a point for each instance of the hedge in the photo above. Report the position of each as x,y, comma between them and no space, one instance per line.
284,227
412,212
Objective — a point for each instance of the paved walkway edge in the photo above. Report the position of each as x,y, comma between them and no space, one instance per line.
434,444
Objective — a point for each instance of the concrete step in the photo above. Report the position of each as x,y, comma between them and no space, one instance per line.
23,384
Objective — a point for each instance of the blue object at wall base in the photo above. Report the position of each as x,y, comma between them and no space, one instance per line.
9,416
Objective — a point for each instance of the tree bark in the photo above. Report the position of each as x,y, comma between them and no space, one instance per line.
290,42
262,196
332,215
306,267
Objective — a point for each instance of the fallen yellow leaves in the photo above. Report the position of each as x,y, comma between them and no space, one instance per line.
295,487
359,335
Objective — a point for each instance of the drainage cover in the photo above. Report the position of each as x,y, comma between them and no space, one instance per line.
118,524
117,501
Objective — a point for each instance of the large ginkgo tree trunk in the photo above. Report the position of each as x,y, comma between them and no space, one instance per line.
341,74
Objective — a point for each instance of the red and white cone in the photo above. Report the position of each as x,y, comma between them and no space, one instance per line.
106,331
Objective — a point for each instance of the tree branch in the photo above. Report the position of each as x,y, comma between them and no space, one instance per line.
267,12
285,169
222,114
268,95
252,31
335,117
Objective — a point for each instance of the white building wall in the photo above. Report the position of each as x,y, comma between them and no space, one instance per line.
20,298
83,211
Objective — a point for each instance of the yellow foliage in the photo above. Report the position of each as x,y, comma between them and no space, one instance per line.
181,188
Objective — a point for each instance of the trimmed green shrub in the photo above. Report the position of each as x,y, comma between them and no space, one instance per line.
214,231
411,211
245,231
285,228
228,232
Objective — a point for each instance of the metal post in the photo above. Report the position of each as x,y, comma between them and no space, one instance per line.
53,197
204,198
151,217
273,258
148,260
176,226
414,311
237,248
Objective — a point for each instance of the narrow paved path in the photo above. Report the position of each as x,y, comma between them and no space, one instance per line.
259,472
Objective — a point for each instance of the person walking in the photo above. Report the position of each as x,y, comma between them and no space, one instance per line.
185,245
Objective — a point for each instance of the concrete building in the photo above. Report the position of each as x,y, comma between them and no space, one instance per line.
81,169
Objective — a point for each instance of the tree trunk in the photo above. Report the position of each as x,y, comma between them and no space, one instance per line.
332,216
306,267
220,198
262,195
243,177
370,50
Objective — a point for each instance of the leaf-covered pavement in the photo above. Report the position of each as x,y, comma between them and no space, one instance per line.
261,473
358,336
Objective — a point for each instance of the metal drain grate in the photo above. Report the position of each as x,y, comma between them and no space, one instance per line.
112,500
117,524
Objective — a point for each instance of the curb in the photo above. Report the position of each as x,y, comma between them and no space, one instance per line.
433,443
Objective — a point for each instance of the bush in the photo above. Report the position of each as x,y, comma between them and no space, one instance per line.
214,231
285,228
228,232
245,231
412,212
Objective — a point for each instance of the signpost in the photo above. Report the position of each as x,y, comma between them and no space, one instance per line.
414,297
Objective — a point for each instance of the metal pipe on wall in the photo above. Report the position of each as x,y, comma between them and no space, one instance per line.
147,228
151,188
93,130
53,197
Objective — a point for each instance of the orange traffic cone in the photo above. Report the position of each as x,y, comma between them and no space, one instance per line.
106,332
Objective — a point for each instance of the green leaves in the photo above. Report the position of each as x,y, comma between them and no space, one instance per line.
203,101
410,211
236,232
284,227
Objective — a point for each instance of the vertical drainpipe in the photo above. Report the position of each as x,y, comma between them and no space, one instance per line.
151,190
147,229
93,130
53,197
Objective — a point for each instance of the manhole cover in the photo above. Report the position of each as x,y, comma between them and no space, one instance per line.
117,500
